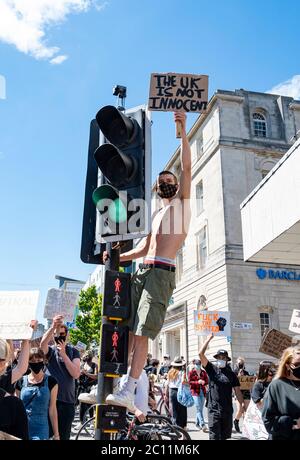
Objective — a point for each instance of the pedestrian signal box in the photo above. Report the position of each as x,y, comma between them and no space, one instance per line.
114,349
117,295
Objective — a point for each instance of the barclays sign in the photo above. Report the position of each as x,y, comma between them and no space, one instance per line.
277,274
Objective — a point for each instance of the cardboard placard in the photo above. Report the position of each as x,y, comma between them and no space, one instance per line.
274,343
178,92
295,322
60,302
246,381
215,321
17,310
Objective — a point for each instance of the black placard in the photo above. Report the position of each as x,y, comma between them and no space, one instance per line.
117,294
111,417
114,349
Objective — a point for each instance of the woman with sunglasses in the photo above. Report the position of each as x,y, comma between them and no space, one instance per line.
281,411
266,372
38,392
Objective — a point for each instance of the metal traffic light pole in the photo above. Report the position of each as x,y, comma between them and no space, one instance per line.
105,384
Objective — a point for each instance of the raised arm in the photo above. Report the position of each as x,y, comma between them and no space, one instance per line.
186,159
22,365
203,349
48,336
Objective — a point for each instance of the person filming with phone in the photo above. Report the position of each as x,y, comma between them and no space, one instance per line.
64,366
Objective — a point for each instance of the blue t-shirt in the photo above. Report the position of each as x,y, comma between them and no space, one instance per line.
58,370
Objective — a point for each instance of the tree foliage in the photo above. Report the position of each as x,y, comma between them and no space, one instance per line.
88,321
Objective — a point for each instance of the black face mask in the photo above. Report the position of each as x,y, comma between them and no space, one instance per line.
60,338
166,190
36,367
296,372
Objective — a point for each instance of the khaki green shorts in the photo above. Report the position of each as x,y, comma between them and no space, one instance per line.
151,289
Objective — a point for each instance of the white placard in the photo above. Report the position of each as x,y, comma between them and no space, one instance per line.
17,310
81,346
244,326
60,302
295,322
208,321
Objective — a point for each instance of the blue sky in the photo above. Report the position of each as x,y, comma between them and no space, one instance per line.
60,60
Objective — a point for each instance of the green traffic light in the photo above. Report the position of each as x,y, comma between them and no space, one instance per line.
106,199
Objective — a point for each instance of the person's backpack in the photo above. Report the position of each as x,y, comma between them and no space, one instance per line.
184,395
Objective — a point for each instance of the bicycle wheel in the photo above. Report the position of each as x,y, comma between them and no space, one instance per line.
87,431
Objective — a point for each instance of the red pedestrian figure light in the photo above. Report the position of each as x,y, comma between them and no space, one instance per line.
115,338
118,285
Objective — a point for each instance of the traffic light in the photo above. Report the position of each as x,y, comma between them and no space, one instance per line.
91,250
124,188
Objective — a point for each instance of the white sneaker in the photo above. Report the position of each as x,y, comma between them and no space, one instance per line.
122,398
204,428
88,398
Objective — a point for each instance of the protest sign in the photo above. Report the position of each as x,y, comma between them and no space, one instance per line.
178,92
274,343
206,322
295,322
81,346
253,426
246,381
17,310
60,302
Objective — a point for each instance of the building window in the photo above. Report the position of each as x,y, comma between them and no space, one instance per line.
179,265
265,322
199,146
202,247
259,125
202,305
199,198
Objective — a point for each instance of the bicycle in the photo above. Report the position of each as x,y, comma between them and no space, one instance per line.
162,407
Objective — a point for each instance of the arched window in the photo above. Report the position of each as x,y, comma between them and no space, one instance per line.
259,125
202,303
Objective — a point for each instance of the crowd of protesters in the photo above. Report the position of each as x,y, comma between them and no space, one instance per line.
41,386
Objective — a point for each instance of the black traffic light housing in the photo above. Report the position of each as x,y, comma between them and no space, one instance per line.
124,160
91,250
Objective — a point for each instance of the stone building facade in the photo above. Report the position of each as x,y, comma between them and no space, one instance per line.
234,145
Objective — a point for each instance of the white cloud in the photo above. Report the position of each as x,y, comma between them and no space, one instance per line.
58,59
289,88
24,23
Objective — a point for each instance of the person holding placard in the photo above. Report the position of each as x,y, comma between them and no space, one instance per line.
239,370
222,380
13,418
64,366
154,282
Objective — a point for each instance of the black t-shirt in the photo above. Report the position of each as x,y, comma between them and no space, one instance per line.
5,382
221,382
58,370
51,383
258,390
13,418
281,408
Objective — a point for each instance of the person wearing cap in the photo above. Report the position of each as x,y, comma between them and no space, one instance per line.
198,380
175,376
222,380
165,367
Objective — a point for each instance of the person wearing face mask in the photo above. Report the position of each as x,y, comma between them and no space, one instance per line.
198,380
239,370
165,367
64,365
222,380
38,392
154,282
281,410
